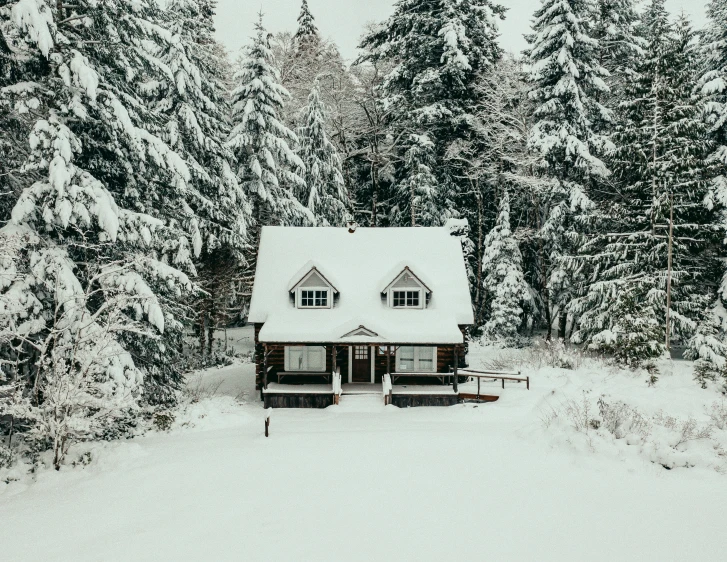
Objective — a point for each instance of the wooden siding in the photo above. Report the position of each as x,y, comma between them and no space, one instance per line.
298,400
415,400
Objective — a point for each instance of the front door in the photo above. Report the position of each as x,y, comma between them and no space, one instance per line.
361,370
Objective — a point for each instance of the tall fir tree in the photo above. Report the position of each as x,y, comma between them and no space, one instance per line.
506,292
566,83
324,191
267,168
306,36
647,268
437,50
615,27
103,222
196,110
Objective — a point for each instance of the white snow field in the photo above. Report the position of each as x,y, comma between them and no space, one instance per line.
360,481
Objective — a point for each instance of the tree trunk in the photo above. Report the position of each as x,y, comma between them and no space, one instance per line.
480,243
562,324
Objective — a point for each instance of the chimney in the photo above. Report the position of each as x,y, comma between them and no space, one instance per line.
352,226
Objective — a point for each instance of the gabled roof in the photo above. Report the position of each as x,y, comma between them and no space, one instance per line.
400,272
304,272
358,265
360,331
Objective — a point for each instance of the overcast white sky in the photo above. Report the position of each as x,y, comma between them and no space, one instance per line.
343,20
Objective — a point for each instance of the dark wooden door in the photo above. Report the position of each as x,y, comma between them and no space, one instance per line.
361,363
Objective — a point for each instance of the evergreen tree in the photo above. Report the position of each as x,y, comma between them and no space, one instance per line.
306,36
437,50
196,110
505,288
418,188
566,82
95,252
659,173
267,168
324,188
619,45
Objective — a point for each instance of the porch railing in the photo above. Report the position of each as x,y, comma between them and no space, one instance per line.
387,389
337,383
496,375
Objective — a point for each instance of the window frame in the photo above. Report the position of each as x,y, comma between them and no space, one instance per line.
418,353
299,297
306,362
420,298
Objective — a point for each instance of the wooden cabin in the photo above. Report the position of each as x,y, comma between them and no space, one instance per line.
363,303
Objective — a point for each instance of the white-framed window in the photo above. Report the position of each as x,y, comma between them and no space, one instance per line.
305,358
314,298
414,359
406,298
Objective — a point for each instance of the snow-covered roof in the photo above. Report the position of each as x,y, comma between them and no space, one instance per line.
360,265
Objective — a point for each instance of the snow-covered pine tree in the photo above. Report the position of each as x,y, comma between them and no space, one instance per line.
566,82
112,192
306,36
418,188
267,168
659,160
437,50
506,291
615,28
196,110
324,192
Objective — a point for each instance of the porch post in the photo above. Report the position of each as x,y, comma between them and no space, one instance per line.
388,360
456,361
334,361
265,371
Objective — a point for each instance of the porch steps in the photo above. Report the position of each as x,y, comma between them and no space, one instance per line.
349,389
361,402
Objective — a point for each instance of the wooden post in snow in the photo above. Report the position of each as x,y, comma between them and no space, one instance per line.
669,266
264,379
456,361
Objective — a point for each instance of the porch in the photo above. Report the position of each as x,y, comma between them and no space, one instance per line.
277,395
362,366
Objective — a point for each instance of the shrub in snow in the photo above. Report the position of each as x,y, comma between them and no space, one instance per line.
707,348
6,457
554,353
718,414
163,420
82,380
622,420
636,335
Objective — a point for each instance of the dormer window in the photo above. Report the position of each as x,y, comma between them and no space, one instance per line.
310,298
406,299
406,291
311,289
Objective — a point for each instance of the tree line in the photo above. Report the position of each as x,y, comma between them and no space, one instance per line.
584,177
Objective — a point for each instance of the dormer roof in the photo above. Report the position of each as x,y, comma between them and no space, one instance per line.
306,273
405,274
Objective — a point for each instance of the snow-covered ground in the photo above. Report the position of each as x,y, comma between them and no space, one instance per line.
519,479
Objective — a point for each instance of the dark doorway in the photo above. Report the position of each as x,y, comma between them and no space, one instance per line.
361,363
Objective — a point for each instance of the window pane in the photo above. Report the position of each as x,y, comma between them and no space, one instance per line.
426,360
412,298
399,298
321,298
316,358
406,358
296,358
306,298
